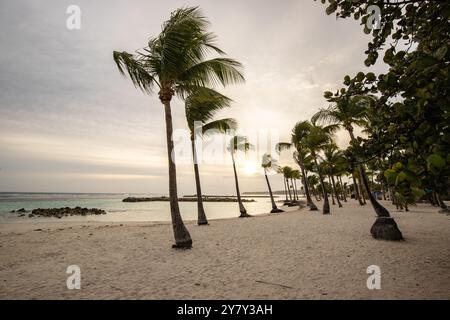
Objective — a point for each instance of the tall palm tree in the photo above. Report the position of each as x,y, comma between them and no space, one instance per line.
332,157
298,137
313,182
269,163
301,157
280,171
317,138
173,63
239,143
201,106
295,177
348,111
287,172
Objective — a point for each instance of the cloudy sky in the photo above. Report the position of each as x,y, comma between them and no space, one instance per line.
70,123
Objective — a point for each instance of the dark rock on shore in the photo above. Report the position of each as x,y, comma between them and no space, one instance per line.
205,199
64,212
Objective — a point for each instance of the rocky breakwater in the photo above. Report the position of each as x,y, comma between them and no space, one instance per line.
64,212
205,199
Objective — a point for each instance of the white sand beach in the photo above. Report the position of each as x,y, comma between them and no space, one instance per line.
294,255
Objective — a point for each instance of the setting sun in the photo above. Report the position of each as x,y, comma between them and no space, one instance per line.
250,168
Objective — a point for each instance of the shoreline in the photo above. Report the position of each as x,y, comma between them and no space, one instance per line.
318,256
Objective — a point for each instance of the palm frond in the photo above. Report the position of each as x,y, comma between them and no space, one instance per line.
281,146
128,63
219,126
203,103
214,71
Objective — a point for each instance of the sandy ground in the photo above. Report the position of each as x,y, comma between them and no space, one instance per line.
295,255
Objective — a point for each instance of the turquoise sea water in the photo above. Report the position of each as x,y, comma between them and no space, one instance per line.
116,209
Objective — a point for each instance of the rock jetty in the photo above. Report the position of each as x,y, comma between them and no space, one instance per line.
64,212
205,199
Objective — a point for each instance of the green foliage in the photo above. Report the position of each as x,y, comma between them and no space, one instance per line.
408,125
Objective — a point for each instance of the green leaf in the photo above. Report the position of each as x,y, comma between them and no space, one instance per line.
435,161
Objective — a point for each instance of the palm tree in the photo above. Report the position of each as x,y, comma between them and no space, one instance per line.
317,138
173,63
301,155
201,106
295,177
239,143
280,171
313,181
269,163
287,172
348,111
332,157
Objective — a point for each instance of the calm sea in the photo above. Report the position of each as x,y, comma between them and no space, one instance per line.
117,210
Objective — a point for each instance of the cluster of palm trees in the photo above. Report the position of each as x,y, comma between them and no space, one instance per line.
176,63
315,152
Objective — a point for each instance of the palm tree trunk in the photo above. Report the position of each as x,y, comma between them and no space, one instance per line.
356,188
335,192
181,234
285,189
326,204
344,192
274,205
201,220
242,209
289,189
361,188
332,192
295,190
312,206
385,226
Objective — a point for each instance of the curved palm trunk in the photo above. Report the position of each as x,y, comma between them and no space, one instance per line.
201,220
289,189
356,188
312,206
335,192
242,209
326,204
181,234
296,190
344,195
285,189
361,188
385,226
332,191
274,205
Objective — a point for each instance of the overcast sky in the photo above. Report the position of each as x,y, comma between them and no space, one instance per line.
70,123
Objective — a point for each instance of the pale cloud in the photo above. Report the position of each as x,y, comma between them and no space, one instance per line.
70,122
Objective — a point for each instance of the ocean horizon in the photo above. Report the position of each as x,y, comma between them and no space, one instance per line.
117,210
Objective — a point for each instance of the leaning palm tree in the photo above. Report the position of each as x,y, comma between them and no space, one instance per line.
173,63
239,143
301,155
332,157
201,106
269,163
348,111
317,138
287,173
280,171
295,177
